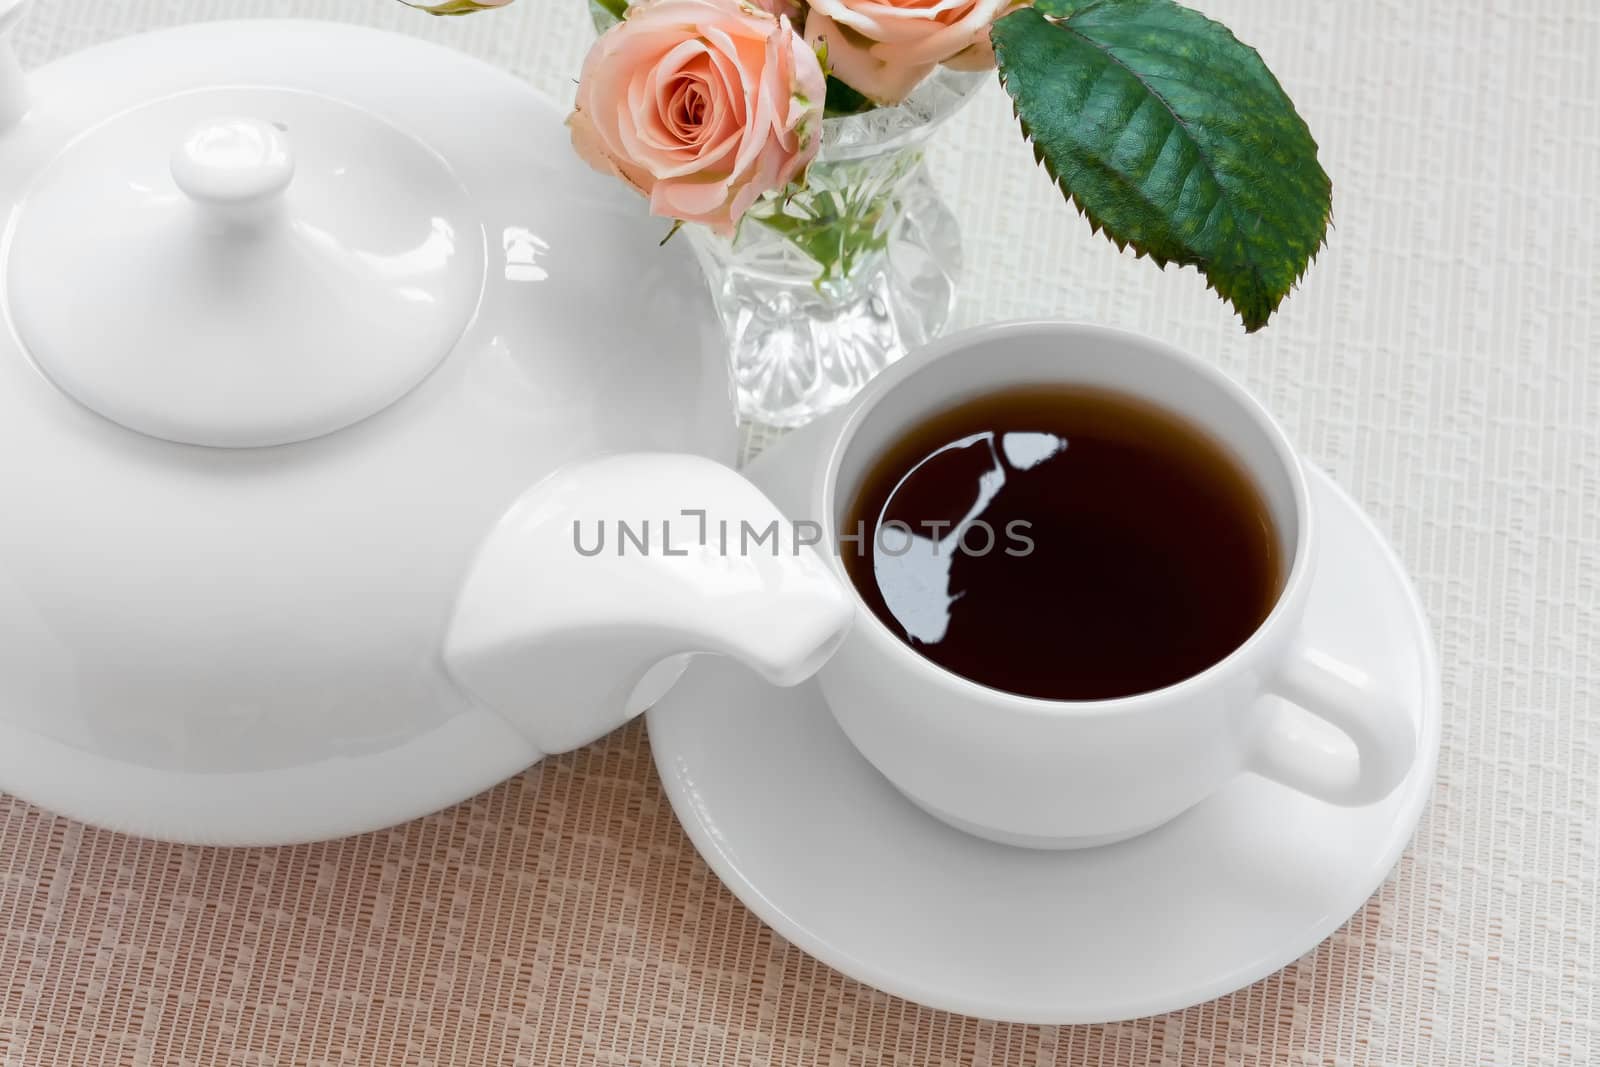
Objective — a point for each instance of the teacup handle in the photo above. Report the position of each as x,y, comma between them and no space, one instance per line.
1349,699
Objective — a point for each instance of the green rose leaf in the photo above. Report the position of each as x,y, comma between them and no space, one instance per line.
454,7
1172,137
843,100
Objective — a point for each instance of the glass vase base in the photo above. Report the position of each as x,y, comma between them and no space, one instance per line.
800,348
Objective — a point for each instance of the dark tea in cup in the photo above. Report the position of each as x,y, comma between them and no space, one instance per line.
1063,543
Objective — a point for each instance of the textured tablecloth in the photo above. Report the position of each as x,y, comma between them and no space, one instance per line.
1443,361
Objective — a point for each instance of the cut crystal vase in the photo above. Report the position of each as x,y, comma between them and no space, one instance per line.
822,287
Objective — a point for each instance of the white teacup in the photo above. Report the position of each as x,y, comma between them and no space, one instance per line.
1068,774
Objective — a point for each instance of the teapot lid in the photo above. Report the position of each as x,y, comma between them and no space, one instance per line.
242,267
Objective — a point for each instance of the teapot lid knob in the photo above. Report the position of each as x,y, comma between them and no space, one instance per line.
234,165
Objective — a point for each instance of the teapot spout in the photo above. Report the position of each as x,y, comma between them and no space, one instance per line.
590,596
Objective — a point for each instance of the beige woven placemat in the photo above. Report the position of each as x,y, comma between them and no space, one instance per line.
1442,363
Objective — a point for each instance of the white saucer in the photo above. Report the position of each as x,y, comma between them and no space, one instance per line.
829,854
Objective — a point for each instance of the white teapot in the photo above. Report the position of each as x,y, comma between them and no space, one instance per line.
316,334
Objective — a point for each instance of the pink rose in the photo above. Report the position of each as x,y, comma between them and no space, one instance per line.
883,48
701,105
788,8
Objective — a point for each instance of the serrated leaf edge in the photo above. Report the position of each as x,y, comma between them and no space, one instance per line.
1096,226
